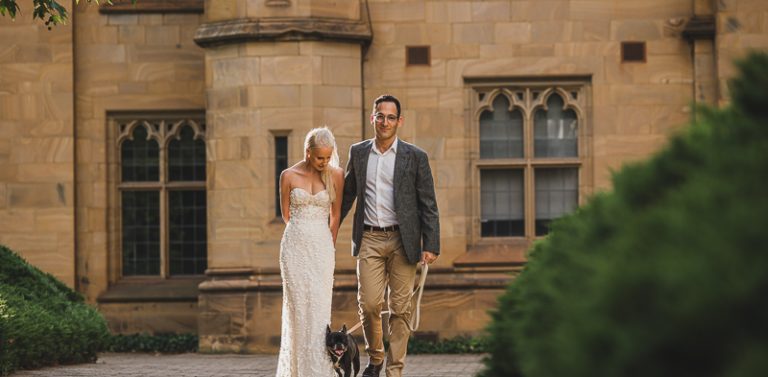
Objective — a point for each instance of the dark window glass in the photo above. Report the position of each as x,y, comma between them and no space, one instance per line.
501,131
557,193
186,157
140,158
555,130
281,163
187,238
141,232
501,201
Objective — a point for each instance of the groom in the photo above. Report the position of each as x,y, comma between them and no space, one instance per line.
396,226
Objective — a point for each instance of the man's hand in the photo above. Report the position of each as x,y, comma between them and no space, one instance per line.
427,257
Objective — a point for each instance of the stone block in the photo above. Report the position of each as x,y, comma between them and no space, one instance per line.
17,220
222,10
151,19
455,51
33,54
474,33
512,32
271,48
398,12
590,10
181,19
539,10
422,34
334,96
447,12
489,11
636,30
346,9
50,149
288,70
652,9
131,34
122,19
103,53
3,195
235,72
285,96
165,35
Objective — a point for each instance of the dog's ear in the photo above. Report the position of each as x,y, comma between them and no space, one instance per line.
327,329
344,328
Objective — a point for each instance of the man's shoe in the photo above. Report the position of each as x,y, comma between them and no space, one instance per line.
372,370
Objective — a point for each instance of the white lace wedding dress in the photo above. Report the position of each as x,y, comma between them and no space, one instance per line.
306,266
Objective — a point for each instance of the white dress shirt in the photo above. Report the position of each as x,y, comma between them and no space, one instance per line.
380,188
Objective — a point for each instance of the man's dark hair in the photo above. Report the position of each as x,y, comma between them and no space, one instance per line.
387,98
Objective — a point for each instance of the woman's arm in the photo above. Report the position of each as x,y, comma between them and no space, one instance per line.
338,182
285,194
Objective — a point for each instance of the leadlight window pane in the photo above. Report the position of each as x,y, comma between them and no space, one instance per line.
281,163
501,202
141,232
187,238
186,157
140,157
555,130
557,193
501,131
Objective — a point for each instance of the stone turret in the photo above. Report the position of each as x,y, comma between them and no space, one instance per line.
274,70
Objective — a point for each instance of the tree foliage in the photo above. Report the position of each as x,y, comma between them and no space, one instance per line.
50,11
665,275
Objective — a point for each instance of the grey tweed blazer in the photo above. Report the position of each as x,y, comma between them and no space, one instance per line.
415,204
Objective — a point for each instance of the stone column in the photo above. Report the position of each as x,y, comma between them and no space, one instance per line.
700,32
273,68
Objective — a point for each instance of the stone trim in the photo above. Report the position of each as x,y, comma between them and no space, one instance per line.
140,290
700,27
346,280
152,6
248,30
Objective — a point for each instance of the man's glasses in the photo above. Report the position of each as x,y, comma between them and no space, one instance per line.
391,118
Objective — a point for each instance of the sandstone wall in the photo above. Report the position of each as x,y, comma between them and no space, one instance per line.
742,25
37,140
133,63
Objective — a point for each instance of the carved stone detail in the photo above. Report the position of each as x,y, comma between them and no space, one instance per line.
245,30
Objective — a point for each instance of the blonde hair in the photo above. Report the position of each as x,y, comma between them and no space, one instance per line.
322,137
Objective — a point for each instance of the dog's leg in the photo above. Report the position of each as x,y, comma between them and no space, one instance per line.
356,364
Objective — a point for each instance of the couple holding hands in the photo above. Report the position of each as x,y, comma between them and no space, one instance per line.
395,227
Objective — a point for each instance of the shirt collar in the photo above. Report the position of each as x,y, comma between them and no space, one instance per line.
392,148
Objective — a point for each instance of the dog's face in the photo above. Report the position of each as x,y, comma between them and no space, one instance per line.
336,341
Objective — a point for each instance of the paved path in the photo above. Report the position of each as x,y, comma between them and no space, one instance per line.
200,365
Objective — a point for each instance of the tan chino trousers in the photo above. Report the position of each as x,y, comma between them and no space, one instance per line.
381,262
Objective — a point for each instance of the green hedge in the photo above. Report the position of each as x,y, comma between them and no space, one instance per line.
42,321
665,276
163,343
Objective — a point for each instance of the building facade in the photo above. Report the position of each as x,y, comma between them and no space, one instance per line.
140,144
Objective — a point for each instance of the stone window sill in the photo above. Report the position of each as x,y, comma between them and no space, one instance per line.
144,290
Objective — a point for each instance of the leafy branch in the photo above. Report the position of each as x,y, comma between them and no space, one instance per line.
49,11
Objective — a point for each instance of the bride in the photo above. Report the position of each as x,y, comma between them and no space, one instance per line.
310,201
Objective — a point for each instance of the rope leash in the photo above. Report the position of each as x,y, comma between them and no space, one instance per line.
418,292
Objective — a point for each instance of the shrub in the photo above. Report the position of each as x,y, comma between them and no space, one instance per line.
664,276
163,343
42,321
459,344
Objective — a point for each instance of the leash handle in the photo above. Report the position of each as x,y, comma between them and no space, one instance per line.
418,291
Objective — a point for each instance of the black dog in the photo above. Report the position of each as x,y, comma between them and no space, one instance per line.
343,351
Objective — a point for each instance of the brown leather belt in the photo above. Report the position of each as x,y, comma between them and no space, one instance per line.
391,228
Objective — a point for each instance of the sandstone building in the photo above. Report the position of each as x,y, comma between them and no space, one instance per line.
139,145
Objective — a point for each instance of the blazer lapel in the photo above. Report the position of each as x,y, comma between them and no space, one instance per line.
401,162
362,163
